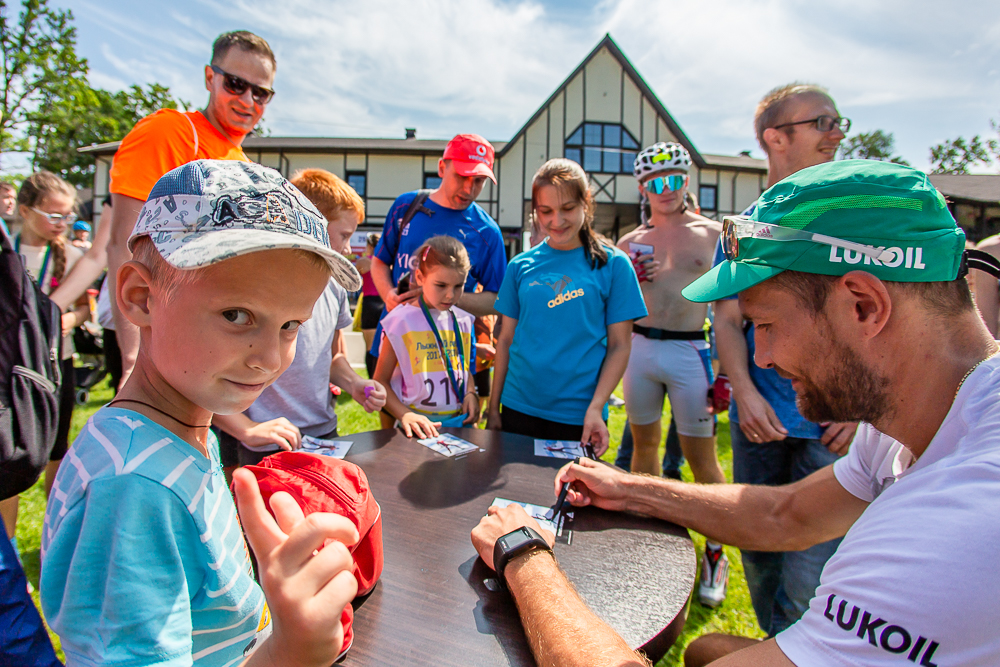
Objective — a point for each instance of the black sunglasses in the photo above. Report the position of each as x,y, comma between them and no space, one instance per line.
237,86
823,123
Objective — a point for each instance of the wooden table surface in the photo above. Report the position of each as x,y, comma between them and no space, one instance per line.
437,603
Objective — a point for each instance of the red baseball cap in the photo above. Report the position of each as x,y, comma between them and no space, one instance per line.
472,155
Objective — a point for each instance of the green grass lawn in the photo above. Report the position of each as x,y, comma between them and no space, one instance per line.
735,615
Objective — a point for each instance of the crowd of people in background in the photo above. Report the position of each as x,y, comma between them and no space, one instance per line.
456,334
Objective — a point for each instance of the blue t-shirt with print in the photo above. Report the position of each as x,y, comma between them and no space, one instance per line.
143,556
473,226
776,390
563,308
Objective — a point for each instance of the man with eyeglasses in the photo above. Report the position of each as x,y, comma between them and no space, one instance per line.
798,126
854,276
451,210
238,80
670,350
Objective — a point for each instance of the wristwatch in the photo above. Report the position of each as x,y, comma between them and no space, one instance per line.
512,545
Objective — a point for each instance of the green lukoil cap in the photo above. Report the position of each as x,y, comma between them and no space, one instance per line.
881,205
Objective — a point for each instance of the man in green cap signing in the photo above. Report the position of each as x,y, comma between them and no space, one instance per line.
853,274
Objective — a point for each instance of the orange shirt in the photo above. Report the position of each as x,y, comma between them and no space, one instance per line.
162,141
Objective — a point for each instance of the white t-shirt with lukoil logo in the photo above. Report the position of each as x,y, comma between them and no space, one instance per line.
915,580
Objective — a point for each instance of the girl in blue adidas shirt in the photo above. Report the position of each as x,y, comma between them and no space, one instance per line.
568,306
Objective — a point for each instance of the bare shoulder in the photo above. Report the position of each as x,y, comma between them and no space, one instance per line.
700,222
990,244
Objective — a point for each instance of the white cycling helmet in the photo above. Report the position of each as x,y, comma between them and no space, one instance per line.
661,157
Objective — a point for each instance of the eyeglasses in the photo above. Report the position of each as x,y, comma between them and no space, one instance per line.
673,182
823,123
55,218
739,227
237,86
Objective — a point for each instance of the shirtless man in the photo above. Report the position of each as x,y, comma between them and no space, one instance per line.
670,353
986,288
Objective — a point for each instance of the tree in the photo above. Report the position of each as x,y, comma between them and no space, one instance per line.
75,115
874,145
956,156
38,55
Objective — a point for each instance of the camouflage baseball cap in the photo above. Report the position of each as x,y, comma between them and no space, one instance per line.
208,211
838,217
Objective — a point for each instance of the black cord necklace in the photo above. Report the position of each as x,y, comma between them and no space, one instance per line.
162,412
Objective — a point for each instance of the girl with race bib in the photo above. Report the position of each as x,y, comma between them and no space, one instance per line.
431,346
46,208
568,306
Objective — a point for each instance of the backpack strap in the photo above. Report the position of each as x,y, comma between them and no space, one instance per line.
416,206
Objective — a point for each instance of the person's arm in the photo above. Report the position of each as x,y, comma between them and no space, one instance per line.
470,402
411,422
88,268
987,289
763,654
615,361
560,628
479,304
74,318
758,420
124,212
345,377
280,431
306,572
500,362
760,518
363,264
382,277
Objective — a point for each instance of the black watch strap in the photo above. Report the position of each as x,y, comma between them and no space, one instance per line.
512,545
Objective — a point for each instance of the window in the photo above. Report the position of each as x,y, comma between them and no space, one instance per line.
602,147
706,197
359,181
431,180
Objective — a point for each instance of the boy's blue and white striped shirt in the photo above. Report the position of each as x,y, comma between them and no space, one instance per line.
143,556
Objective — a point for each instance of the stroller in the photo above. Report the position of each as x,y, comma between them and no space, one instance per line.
90,368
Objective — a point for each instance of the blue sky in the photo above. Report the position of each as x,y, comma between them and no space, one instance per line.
925,71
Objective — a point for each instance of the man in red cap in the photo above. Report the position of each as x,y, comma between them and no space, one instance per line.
452,210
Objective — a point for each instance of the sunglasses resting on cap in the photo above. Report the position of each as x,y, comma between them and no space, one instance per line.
738,227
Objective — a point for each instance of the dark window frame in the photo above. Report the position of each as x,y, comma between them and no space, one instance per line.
601,148
715,196
363,174
428,185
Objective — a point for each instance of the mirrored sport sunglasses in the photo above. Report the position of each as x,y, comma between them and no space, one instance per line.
739,227
823,123
56,218
237,86
673,182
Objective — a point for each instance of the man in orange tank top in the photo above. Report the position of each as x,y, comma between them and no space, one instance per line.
238,81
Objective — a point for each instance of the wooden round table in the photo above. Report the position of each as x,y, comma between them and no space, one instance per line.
438,604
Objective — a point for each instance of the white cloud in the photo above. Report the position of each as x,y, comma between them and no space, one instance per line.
921,69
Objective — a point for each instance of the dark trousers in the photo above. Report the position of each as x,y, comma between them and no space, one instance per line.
512,421
781,583
113,358
23,639
67,401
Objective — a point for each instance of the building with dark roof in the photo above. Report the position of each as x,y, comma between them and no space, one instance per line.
974,200
600,116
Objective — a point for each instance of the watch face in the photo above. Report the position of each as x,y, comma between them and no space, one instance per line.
514,540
